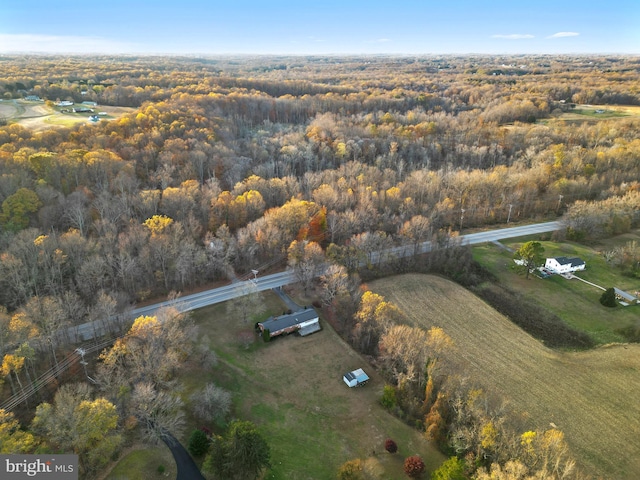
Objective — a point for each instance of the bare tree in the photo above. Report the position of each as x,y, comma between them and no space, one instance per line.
306,259
246,302
157,411
212,403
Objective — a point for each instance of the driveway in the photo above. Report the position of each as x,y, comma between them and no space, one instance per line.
187,468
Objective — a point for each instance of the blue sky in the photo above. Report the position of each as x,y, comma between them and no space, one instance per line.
321,27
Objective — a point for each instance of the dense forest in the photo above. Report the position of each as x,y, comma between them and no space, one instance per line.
233,164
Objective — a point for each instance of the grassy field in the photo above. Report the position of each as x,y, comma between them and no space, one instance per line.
38,116
142,464
595,113
577,303
591,396
293,389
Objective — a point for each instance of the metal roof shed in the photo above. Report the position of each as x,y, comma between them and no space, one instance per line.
355,378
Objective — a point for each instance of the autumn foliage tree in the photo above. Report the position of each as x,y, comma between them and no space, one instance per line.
76,422
13,439
351,470
531,255
306,259
390,445
414,466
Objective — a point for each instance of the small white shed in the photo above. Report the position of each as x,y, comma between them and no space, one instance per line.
356,378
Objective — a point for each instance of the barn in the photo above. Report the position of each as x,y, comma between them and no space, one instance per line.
305,322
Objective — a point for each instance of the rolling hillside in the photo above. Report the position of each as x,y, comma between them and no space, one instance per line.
591,396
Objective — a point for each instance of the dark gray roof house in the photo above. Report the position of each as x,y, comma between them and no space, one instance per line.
304,322
564,264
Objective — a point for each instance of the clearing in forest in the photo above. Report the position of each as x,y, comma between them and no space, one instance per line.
595,113
576,303
292,388
591,396
38,116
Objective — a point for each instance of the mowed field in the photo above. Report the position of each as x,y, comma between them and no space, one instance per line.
591,396
37,116
577,303
596,113
292,388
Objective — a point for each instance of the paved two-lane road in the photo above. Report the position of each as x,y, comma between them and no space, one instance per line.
187,303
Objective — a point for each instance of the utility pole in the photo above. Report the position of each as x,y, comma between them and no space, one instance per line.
462,210
509,216
81,352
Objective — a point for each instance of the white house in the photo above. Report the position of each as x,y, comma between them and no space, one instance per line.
564,264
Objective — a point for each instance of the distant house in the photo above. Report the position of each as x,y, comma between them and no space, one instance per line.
304,322
64,103
33,98
564,264
93,104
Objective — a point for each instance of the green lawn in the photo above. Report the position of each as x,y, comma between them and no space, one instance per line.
292,389
575,302
143,464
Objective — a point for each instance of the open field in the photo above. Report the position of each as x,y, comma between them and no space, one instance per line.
572,300
142,464
591,396
38,116
292,388
595,113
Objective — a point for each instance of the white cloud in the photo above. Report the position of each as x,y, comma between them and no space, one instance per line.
10,43
514,36
564,34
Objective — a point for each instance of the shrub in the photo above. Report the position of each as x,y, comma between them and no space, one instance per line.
452,469
161,469
266,335
413,466
351,470
198,443
608,298
390,446
389,400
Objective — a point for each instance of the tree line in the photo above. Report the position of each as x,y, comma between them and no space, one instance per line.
229,166
427,388
235,161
